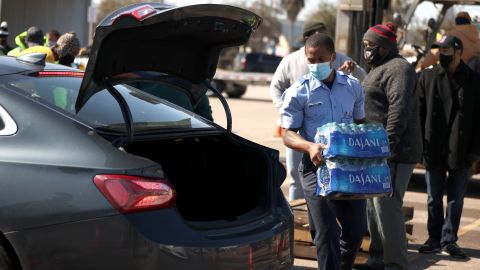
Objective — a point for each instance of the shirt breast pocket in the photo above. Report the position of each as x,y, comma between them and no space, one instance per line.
347,112
315,110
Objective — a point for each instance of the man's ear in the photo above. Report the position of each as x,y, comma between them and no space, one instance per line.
334,56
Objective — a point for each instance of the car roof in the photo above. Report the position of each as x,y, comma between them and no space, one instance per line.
11,65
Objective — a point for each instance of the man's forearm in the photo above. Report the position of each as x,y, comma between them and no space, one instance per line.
359,73
276,95
293,140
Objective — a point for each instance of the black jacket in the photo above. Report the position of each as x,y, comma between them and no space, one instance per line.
450,117
391,99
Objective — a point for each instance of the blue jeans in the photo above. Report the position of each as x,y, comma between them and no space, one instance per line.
444,228
293,159
337,243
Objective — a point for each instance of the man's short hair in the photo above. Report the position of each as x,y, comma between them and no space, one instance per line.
34,35
320,40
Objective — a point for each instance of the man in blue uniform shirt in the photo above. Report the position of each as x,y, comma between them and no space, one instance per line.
323,96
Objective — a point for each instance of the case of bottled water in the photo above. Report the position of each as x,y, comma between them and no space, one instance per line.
354,178
351,140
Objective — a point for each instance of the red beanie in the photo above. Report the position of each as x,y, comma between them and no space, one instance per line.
383,35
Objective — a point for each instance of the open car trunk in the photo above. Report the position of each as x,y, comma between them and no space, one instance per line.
215,178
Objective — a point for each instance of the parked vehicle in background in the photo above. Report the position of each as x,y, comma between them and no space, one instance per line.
98,174
249,69
258,62
234,83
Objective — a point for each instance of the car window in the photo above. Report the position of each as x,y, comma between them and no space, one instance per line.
102,110
8,126
175,95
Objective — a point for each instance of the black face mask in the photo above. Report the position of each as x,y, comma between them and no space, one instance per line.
372,55
445,60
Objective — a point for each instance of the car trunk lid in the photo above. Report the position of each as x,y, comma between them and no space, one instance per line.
183,42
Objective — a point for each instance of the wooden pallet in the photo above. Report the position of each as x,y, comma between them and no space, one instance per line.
303,246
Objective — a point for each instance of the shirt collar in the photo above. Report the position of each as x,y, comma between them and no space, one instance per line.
315,84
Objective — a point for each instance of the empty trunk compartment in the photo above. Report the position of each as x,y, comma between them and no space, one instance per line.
215,179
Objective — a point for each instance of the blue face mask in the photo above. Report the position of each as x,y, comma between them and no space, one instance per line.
320,71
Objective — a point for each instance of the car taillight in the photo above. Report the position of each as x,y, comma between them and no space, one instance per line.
138,13
60,74
135,193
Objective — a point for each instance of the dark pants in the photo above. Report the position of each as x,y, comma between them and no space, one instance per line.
442,227
337,243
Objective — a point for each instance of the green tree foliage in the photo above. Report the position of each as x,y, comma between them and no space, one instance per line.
326,12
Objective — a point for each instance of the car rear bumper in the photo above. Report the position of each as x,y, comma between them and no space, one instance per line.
115,243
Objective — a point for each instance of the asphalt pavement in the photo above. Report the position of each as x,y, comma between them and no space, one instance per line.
255,118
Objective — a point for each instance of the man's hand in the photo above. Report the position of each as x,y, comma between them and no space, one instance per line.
315,152
348,67
293,140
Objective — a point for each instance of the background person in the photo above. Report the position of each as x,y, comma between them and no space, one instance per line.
322,96
291,68
468,34
52,37
391,99
35,41
67,48
4,47
21,44
449,98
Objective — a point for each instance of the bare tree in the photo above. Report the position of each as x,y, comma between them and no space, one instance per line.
269,30
326,13
292,7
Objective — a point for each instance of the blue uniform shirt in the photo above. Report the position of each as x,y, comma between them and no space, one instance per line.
309,104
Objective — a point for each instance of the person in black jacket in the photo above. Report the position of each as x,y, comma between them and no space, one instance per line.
391,99
449,98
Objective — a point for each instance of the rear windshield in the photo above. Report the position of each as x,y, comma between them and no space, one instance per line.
102,110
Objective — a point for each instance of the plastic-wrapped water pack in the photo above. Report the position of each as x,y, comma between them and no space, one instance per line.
354,178
351,140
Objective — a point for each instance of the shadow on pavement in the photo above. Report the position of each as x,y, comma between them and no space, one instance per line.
303,268
424,261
